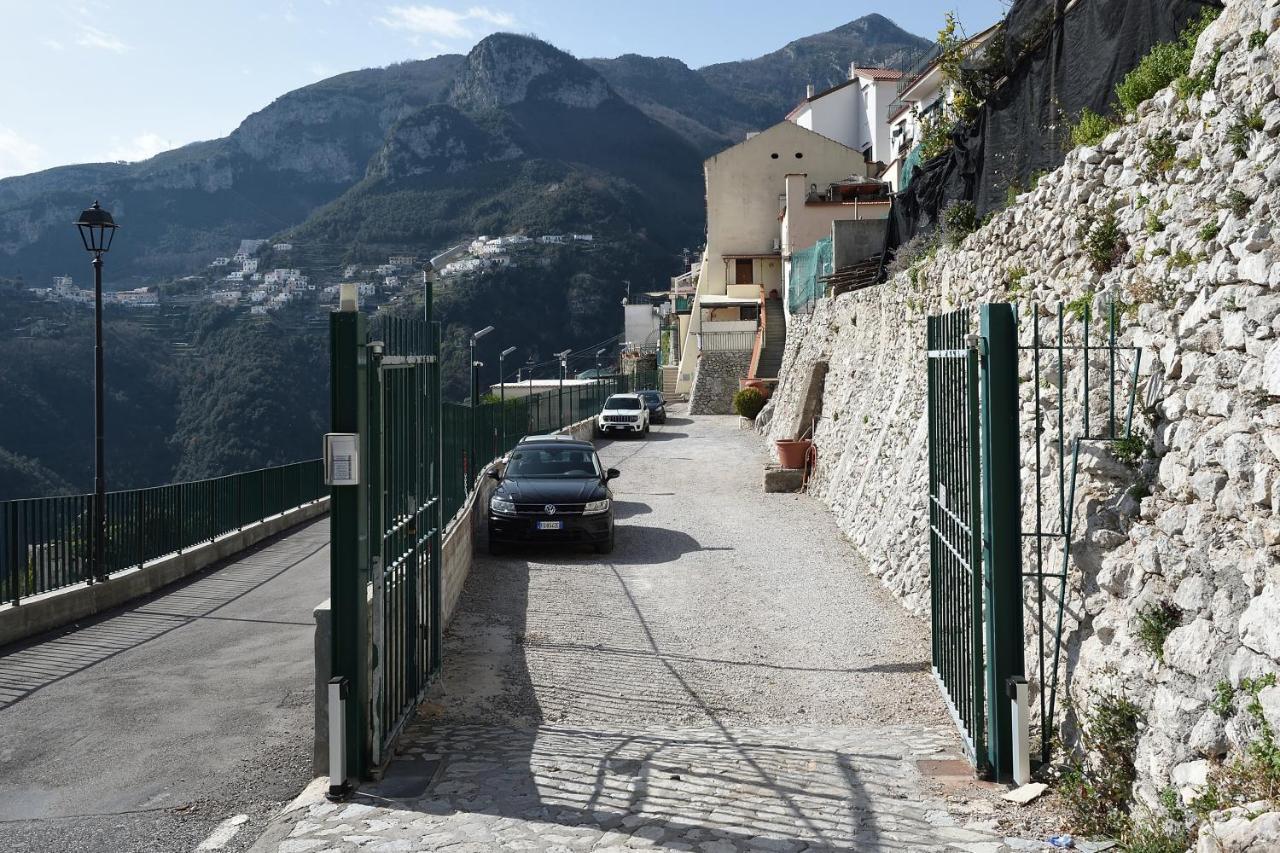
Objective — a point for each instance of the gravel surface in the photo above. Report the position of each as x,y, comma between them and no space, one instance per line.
143,730
720,602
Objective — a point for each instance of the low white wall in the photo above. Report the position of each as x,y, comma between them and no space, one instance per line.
59,607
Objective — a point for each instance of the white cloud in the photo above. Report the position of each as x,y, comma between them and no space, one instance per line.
18,156
94,37
53,44
441,23
141,147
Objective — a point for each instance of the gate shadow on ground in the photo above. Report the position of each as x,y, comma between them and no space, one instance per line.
504,720
37,663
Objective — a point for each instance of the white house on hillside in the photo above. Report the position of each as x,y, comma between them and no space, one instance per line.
853,112
745,191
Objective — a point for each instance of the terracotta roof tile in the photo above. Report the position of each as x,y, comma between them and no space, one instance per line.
879,73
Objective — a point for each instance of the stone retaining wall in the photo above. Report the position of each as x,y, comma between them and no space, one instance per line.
1193,185
715,381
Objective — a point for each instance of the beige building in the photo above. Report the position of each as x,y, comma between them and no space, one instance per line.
746,199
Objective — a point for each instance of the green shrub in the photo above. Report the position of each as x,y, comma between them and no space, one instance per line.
748,402
1155,624
1103,242
1238,203
1163,65
1090,128
1097,793
1154,225
1241,130
1224,699
1196,85
1257,39
1182,259
1209,230
959,221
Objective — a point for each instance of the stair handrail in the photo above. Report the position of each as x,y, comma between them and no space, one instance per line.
759,344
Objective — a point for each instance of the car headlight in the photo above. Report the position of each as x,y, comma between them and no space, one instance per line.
502,507
596,507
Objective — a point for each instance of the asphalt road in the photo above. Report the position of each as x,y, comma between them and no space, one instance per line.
144,730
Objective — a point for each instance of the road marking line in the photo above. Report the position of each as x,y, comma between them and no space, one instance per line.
224,832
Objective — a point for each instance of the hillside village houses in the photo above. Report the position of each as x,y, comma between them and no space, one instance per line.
758,192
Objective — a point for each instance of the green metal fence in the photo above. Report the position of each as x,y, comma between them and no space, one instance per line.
47,543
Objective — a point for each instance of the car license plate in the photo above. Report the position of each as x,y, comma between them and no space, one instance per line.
550,525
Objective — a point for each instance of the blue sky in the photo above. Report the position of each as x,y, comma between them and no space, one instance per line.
92,80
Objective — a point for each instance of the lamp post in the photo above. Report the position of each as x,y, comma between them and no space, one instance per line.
97,230
564,368
475,397
502,391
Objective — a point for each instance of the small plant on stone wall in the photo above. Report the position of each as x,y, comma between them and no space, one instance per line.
1153,223
1238,203
1080,306
1257,39
1130,449
1162,153
1182,259
1103,241
1155,623
1013,279
1253,774
912,251
1209,231
1224,699
748,402
959,221
1091,128
1195,85
1097,780
1242,130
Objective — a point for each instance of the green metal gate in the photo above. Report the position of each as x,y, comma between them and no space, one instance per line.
974,518
385,573
955,525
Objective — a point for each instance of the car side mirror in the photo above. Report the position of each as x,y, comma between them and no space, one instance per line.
612,474
495,474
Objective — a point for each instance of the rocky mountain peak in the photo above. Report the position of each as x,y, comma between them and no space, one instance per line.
506,69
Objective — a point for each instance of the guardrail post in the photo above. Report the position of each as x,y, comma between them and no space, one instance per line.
1002,510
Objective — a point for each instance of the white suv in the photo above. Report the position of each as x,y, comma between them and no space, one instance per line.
623,413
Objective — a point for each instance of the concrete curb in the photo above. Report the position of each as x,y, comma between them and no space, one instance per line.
61,607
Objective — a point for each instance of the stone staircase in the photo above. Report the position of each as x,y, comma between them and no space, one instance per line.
775,340
670,374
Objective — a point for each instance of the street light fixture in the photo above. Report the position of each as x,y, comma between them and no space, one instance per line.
564,368
97,230
502,391
475,399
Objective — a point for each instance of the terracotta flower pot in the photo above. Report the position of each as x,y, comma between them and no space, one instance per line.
762,387
792,454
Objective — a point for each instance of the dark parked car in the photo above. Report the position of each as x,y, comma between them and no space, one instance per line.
656,405
552,491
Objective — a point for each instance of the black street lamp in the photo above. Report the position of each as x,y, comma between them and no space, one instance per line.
475,399
564,368
97,230
502,392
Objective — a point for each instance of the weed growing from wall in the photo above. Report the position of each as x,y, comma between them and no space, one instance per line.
1155,623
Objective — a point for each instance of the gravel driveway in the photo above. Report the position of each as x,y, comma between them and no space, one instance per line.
728,679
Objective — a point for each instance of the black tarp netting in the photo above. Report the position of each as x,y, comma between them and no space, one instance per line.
1043,77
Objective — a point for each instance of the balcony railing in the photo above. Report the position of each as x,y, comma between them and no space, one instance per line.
743,341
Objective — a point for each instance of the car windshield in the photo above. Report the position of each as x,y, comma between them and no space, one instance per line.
651,396
563,463
623,403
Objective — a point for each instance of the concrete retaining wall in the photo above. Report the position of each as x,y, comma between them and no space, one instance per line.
68,605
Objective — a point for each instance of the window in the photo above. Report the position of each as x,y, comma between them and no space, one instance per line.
622,403
743,273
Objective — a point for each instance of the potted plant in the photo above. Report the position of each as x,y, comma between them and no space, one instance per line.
748,402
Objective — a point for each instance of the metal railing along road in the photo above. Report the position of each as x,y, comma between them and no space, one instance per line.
47,543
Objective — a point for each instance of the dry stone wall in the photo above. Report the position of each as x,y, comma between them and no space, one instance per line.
715,381
1188,189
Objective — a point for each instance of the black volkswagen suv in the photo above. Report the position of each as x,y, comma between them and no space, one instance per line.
552,490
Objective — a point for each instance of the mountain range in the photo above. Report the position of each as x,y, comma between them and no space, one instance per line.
516,134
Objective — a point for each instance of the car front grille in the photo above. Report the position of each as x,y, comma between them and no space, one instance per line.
541,509
621,419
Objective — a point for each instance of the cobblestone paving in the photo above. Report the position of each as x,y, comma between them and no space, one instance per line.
716,685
